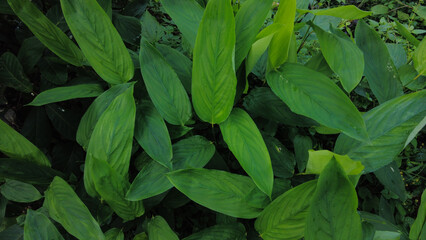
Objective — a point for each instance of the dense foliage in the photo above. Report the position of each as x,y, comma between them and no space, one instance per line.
212,119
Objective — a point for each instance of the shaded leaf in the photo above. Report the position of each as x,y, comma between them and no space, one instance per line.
20,192
128,27
312,94
283,161
64,120
37,128
12,74
158,229
390,177
152,30
418,230
302,145
53,70
38,227
60,94
30,53
235,231
213,74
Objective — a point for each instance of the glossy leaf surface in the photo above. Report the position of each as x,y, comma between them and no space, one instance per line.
312,94
60,94
47,32
284,218
67,209
224,192
246,143
98,40
333,212
163,85
213,74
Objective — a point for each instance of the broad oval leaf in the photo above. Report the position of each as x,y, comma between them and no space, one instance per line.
15,145
333,212
187,15
234,231
284,218
389,126
213,75
343,57
47,32
19,192
192,152
349,12
163,85
67,209
112,138
95,111
280,44
158,229
12,74
249,19
318,160
60,94
379,70
246,143
224,192
314,95
152,134
38,227
98,40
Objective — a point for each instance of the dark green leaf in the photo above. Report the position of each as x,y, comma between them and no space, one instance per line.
333,212
30,53
47,32
158,229
379,70
64,120
163,85
39,227
15,232
187,15
67,209
246,143
129,28
152,30
284,218
224,192
213,74
234,231
53,70
99,40
314,95
319,64
301,146
60,94
282,159
114,234
418,230
152,134
12,74
192,152
17,146
20,192
390,177
37,128
389,127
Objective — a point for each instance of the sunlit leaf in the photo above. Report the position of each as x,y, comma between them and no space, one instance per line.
349,12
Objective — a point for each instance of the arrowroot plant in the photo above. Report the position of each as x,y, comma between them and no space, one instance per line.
208,125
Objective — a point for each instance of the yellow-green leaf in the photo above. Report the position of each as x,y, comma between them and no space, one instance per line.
319,159
419,58
349,12
60,94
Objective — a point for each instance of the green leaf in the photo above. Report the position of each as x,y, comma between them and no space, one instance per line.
163,85
180,64
187,15
12,74
319,64
246,143
98,40
262,102
158,229
386,235
19,192
47,32
302,145
65,120
106,6
406,34
389,125
390,177
248,21
94,112
53,70
38,227
318,160
333,212
397,53
15,232
30,53
409,79
343,57
349,12
151,180
14,145
213,74
418,230
224,192
152,134
114,234
152,30
379,9
419,58
67,209
283,161
379,70
284,218
112,187
60,94
115,145
128,27
26,171
280,43
192,152
234,231
314,95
